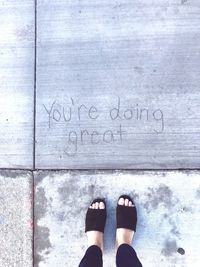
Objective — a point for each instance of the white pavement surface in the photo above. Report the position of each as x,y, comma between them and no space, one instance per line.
118,84
168,205
16,219
16,83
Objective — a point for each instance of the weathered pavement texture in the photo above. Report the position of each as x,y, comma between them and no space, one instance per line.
168,205
16,237
118,84
16,83
99,85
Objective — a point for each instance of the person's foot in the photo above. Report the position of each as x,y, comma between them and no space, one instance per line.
123,234
95,219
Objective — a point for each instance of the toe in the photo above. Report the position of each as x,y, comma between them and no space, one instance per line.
101,205
96,205
93,206
130,204
121,201
126,202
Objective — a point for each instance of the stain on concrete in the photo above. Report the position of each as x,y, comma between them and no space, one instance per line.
181,251
188,172
61,190
176,10
184,1
187,209
40,175
25,33
13,174
198,193
41,204
170,247
71,190
68,188
162,195
173,223
41,244
156,196
37,259
139,70
134,195
175,230
61,216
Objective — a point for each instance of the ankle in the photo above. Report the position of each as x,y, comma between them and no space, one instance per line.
124,236
98,244
121,242
95,238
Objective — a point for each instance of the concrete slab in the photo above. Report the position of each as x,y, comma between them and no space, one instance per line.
118,84
16,83
168,205
16,219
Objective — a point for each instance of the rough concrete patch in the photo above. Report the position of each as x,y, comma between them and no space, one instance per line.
186,172
170,247
70,190
25,33
156,196
198,193
43,245
41,203
172,220
45,242
61,216
16,219
139,70
13,174
187,209
184,1
134,195
65,216
40,175
175,230
37,259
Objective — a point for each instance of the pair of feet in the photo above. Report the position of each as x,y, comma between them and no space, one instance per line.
126,216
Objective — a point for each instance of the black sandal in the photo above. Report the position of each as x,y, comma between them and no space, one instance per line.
96,218
126,216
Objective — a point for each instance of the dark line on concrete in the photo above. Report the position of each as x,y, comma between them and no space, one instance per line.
35,85
33,218
122,170
101,169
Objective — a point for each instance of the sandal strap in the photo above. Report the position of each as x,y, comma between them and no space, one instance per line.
96,218
126,216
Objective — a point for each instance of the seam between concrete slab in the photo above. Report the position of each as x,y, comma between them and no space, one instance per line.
115,169
33,217
35,85
100,169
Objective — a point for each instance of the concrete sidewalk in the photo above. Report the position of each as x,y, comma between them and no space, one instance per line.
16,228
93,85
168,205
